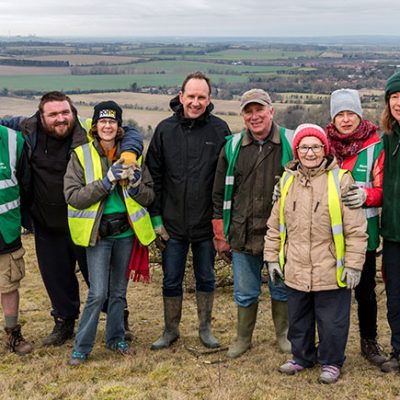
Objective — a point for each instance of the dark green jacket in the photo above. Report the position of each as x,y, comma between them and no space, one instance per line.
390,225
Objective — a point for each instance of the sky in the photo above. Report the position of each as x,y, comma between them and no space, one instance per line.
198,18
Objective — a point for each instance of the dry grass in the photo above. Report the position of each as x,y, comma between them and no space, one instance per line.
175,373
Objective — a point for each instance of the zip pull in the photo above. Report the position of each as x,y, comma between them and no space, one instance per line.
316,206
294,206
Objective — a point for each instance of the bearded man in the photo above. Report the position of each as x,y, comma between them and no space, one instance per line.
50,136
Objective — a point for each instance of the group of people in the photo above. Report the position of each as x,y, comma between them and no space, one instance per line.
304,204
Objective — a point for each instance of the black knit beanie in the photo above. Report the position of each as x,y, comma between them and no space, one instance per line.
107,109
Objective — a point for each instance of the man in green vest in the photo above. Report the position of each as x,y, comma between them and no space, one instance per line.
246,174
14,180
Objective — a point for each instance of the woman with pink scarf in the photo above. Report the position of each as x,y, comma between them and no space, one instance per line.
358,148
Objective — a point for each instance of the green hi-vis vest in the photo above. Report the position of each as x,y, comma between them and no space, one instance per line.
362,174
334,178
11,145
232,148
81,222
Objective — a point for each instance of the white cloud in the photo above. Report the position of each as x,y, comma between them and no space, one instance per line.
198,17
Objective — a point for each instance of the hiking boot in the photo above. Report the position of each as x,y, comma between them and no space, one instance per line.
392,364
62,331
77,358
172,318
290,368
121,347
16,342
128,333
372,351
329,374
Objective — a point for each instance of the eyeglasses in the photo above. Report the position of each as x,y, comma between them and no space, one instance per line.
104,122
315,148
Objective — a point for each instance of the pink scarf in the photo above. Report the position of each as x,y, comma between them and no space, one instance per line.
344,146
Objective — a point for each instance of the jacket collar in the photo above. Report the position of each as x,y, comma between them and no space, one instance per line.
274,136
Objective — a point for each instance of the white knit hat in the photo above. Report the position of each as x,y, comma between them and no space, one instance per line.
345,100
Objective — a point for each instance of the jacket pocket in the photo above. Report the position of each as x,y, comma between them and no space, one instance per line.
17,267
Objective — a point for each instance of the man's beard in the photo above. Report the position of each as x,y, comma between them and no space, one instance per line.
53,132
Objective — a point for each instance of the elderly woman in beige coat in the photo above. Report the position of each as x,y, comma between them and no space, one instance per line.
317,246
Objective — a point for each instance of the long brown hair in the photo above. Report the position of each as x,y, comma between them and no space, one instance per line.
387,119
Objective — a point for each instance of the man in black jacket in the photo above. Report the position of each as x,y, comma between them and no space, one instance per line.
182,159
50,135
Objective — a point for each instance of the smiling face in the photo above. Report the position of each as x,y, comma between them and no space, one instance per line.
258,119
394,104
57,118
107,129
346,122
310,152
195,98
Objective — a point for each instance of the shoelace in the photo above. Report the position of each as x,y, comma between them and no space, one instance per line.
78,355
375,348
122,346
331,369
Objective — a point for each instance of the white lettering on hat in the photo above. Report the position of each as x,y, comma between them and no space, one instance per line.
108,114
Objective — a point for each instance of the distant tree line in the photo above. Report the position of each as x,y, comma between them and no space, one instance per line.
34,63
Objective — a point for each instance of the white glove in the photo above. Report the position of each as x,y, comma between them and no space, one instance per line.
117,171
351,276
355,197
275,272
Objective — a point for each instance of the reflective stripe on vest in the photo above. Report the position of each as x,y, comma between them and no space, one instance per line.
12,156
10,213
335,215
139,219
81,222
370,212
230,179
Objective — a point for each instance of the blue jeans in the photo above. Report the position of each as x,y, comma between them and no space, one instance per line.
174,264
108,265
391,269
247,280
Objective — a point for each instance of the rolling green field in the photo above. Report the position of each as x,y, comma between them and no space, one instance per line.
173,63
153,73
99,82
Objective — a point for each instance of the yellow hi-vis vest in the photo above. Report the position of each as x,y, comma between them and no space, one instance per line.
334,177
81,222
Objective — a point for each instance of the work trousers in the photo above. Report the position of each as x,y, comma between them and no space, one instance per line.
366,298
329,310
57,257
391,271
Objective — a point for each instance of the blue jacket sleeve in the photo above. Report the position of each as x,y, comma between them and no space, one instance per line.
132,141
12,123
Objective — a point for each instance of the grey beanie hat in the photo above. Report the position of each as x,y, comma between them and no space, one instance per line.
345,100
